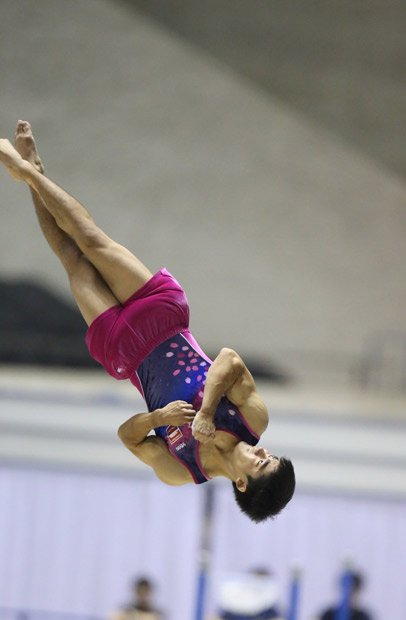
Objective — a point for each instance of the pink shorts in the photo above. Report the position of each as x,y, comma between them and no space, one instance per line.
121,337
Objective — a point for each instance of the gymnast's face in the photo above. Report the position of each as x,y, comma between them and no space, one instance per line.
253,461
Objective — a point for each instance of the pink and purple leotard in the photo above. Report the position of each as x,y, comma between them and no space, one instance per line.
147,340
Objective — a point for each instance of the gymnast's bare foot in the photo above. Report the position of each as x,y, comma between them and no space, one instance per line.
25,145
15,164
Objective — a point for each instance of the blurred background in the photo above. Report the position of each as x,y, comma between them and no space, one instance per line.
256,149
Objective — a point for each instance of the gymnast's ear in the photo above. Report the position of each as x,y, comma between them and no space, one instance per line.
241,484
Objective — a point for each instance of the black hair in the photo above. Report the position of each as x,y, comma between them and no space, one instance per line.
357,581
265,496
143,582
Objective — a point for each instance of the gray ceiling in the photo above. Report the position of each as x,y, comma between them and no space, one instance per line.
339,62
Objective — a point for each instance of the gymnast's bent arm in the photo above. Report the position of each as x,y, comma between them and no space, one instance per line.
228,376
152,450
135,430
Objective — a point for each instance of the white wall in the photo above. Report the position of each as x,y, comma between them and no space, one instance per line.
80,515
72,542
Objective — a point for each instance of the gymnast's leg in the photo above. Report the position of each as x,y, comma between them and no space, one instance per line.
121,270
88,288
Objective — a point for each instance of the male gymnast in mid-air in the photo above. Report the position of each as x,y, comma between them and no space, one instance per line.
206,415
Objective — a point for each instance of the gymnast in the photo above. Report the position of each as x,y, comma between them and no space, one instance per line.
206,415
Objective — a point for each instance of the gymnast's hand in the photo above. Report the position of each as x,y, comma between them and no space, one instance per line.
175,414
203,428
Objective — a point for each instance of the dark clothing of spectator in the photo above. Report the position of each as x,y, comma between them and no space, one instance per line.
354,614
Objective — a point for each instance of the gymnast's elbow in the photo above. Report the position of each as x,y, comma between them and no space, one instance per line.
128,438
123,433
232,360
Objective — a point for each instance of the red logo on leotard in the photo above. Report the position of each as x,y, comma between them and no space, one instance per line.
174,434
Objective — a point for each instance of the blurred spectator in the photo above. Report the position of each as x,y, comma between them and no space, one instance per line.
355,612
251,596
141,607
